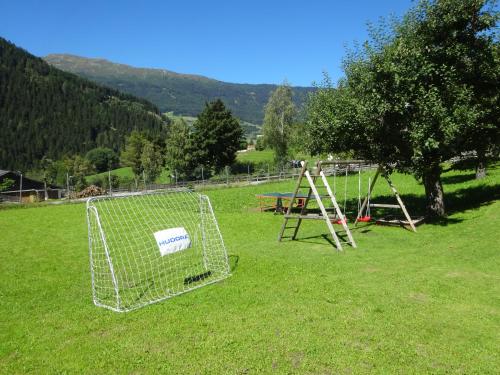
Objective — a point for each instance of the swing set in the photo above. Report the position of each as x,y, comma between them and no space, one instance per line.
347,168
338,216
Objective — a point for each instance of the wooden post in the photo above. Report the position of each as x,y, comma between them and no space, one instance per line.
67,185
306,202
400,202
323,211
109,182
289,210
337,209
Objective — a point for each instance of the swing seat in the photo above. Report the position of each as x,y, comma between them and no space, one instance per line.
365,219
340,221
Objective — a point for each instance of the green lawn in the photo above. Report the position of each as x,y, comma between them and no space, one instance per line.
126,172
400,303
264,156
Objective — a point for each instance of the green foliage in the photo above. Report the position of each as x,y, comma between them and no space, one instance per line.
105,179
297,143
152,161
182,94
48,112
398,304
178,149
278,120
49,170
259,144
125,177
131,155
6,184
102,159
143,156
243,144
420,92
77,168
216,137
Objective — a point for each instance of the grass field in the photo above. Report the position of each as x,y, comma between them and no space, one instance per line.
255,157
264,156
126,172
400,303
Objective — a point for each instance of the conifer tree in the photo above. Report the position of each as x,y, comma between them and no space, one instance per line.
216,137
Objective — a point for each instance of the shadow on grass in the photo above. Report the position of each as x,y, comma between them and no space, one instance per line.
233,262
320,239
196,278
456,201
458,179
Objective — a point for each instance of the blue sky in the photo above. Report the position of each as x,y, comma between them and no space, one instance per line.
235,41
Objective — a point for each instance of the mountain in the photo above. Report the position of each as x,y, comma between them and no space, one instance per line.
182,94
47,112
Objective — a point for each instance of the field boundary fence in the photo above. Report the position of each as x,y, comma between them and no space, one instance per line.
239,179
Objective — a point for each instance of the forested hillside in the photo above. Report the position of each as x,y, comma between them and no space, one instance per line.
182,94
47,112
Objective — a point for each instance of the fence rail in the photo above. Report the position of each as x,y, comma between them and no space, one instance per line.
227,180
250,179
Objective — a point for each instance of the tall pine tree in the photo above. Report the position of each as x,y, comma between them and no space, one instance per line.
216,136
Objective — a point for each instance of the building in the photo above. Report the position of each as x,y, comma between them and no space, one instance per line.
16,186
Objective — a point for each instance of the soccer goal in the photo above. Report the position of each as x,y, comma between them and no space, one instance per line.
148,247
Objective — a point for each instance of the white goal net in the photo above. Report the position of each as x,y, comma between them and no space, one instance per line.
148,247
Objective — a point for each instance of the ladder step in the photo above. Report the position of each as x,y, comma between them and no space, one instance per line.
384,205
309,217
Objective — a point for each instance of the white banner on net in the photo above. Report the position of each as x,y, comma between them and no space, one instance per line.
172,240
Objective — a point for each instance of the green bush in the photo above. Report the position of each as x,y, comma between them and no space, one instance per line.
103,159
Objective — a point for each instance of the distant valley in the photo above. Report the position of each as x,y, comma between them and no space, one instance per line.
182,94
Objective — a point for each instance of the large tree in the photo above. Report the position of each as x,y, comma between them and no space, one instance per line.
216,137
278,120
152,161
131,156
178,154
417,94
49,173
102,158
78,168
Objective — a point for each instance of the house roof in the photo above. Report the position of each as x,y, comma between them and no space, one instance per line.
2,172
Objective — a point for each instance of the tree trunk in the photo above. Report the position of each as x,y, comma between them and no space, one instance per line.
480,166
480,170
434,192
